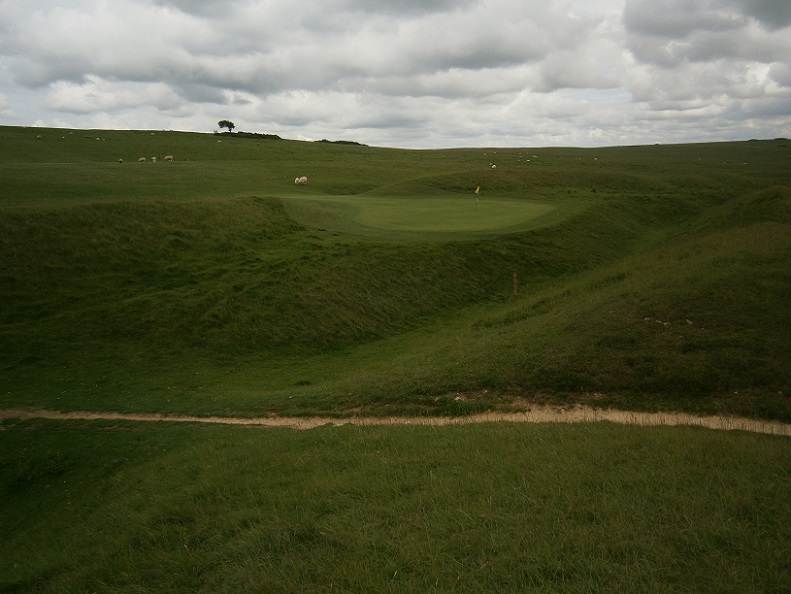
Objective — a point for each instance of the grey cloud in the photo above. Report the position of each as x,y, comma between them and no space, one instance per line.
452,83
246,59
486,54
772,14
781,74
69,44
485,42
34,72
750,44
677,19
694,82
407,7
705,46
764,107
574,74
198,92
205,8
388,121
6,35
96,94
673,32
420,72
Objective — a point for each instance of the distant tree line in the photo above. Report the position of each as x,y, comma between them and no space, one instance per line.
254,135
342,142
230,126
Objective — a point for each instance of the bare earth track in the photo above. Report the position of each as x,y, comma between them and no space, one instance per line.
577,414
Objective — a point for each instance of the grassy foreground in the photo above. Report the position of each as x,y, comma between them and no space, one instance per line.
123,507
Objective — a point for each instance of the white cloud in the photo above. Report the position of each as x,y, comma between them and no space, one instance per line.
416,73
711,65
5,107
96,94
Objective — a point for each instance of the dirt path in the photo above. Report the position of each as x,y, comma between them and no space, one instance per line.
535,415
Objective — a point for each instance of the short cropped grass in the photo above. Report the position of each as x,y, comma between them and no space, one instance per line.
425,218
125,507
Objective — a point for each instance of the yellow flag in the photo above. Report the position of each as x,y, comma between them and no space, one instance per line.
478,190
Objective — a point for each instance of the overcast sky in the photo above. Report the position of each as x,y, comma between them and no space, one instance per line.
405,73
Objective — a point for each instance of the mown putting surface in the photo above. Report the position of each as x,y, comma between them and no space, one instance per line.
462,215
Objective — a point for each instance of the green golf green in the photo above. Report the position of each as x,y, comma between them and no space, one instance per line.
457,215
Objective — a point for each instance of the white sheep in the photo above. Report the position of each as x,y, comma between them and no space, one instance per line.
141,160
301,181
153,159
168,157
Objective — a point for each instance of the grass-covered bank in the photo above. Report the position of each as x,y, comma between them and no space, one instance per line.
651,278
127,507
656,277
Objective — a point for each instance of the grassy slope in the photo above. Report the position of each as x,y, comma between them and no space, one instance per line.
124,507
188,287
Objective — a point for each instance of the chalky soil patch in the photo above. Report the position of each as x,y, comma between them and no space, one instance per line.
543,414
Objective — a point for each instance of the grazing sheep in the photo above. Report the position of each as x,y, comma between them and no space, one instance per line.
168,157
494,166
153,159
301,181
141,160
120,160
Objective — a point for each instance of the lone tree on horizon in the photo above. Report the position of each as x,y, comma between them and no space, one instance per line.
226,124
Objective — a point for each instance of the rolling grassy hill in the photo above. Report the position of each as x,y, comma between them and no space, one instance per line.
652,276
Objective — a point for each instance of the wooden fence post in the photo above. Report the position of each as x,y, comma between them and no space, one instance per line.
515,291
